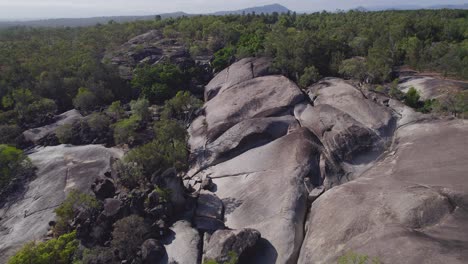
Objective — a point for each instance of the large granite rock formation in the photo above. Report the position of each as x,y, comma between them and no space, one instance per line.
411,207
149,48
371,166
59,170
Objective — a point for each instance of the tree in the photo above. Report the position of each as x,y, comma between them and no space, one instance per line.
310,76
128,235
223,58
181,107
355,68
13,164
116,111
59,250
412,98
85,100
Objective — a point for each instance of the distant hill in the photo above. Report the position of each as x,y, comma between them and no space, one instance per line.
83,22
409,7
91,21
267,9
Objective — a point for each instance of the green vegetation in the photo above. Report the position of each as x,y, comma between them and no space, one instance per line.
59,250
74,201
128,235
13,164
159,83
125,129
412,98
64,133
233,258
355,258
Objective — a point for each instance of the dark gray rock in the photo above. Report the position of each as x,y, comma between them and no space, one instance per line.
103,188
222,243
152,251
111,207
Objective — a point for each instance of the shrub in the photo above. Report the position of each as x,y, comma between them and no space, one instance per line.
130,173
75,200
354,68
222,58
38,112
59,251
412,98
354,258
64,133
13,164
9,134
232,258
116,111
181,107
128,235
98,123
310,76
85,100
140,108
125,130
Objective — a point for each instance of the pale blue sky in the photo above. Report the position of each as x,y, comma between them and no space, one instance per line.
21,9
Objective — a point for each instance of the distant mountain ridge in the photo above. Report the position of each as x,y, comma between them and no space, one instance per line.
410,7
83,22
266,9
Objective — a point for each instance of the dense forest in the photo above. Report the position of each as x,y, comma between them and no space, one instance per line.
45,72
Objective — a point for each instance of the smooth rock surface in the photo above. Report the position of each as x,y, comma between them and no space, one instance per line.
411,207
264,189
67,118
183,246
430,87
60,169
243,70
222,243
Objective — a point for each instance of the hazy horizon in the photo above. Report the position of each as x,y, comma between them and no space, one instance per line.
44,9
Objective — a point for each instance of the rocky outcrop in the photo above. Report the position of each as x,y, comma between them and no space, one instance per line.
411,207
59,170
349,165
149,48
431,87
35,135
224,245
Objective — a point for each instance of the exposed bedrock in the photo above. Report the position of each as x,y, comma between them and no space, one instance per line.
59,170
327,170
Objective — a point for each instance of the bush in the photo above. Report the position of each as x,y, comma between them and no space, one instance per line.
128,235
85,100
412,98
60,250
130,173
64,133
98,123
125,130
355,68
310,76
354,258
160,82
13,164
181,107
233,258
167,150
9,134
39,112
140,108
75,200
116,111
223,58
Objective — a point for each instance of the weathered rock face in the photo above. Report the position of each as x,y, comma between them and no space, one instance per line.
36,134
430,87
411,207
225,242
270,151
60,169
183,245
149,48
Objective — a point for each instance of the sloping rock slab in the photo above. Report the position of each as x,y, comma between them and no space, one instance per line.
264,189
60,169
36,134
345,97
411,207
241,71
